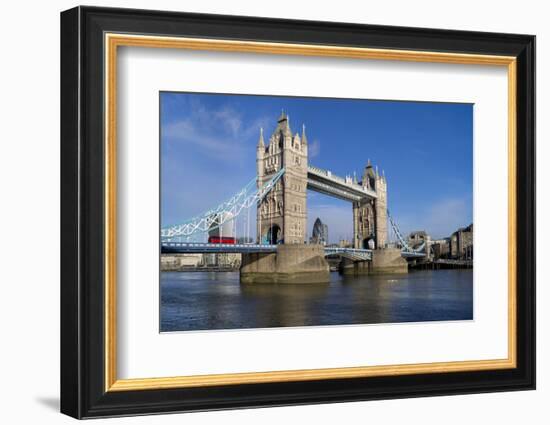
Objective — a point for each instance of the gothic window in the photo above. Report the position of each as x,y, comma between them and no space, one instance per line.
370,219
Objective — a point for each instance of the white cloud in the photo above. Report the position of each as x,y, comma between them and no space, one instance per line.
219,133
314,149
229,119
439,219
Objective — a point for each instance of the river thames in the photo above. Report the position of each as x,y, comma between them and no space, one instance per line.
192,301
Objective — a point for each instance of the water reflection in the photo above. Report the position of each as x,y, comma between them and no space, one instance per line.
201,300
283,305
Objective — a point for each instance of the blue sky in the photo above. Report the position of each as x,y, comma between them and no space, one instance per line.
208,152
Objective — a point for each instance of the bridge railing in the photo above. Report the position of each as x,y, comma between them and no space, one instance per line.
199,247
328,174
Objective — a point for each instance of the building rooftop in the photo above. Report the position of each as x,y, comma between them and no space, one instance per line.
418,232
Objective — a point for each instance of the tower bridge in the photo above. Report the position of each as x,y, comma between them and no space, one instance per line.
282,214
279,195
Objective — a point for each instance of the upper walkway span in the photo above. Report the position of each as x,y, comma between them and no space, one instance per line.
347,189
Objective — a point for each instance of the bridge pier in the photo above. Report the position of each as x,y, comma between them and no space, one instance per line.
384,261
292,263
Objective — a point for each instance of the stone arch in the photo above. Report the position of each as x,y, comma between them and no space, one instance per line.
274,234
369,243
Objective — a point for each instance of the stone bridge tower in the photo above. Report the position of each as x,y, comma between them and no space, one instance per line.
370,216
282,215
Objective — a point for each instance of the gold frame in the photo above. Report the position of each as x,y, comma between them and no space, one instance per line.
113,41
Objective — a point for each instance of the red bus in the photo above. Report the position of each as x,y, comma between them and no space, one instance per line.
222,239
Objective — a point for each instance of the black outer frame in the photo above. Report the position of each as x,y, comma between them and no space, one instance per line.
82,212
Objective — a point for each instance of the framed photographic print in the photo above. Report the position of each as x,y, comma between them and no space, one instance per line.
261,212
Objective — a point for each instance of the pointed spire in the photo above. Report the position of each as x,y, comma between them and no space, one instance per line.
369,164
304,137
261,143
283,125
377,171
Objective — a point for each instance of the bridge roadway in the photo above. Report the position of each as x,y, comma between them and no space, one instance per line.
205,248
412,254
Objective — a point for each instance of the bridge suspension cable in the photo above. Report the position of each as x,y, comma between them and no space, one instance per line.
405,247
226,211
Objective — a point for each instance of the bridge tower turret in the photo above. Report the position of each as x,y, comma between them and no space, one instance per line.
381,206
370,227
282,215
260,171
260,154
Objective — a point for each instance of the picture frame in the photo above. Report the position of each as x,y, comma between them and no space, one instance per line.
90,39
